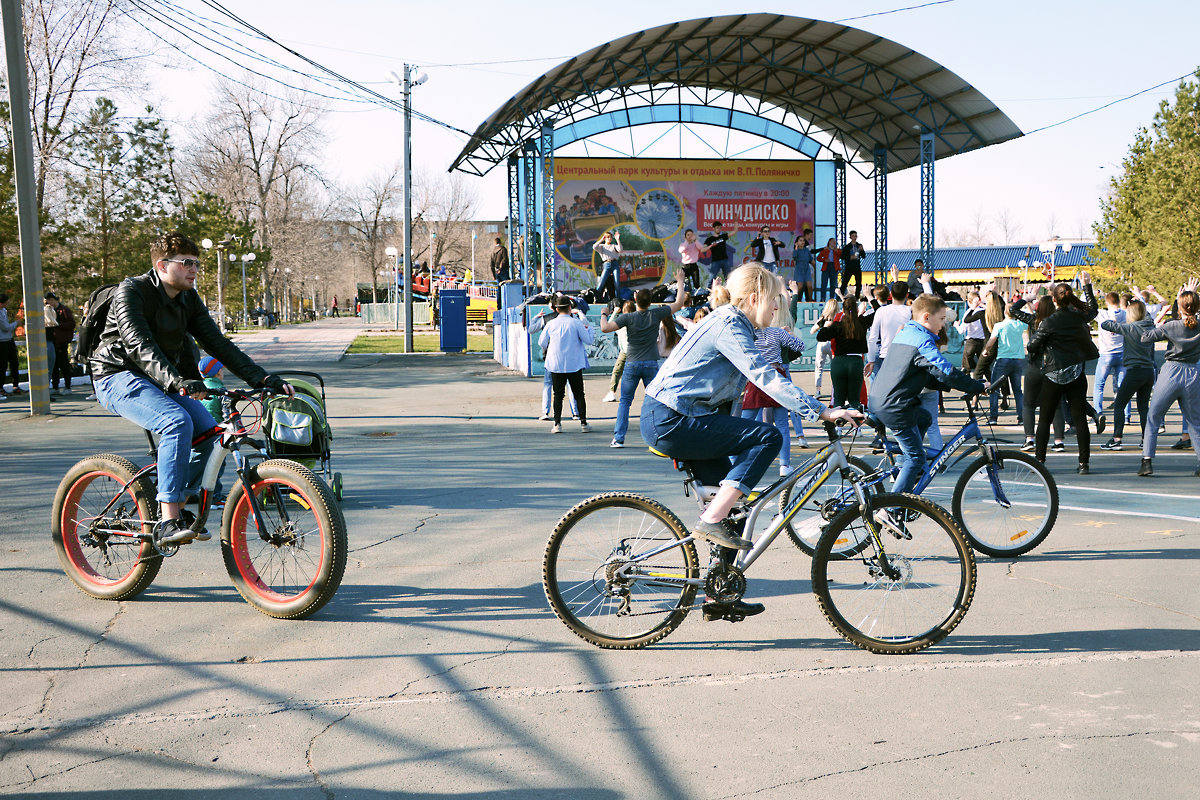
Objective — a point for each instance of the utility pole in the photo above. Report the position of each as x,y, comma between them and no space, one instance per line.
27,218
408,274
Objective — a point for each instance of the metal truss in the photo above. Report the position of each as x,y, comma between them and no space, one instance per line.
529,214
927,228
881,253
839,195
514,215
546,164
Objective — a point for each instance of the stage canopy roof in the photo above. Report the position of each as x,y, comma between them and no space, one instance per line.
816,87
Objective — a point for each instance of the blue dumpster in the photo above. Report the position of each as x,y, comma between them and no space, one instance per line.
452,312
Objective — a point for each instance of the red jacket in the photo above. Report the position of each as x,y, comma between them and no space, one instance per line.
828,265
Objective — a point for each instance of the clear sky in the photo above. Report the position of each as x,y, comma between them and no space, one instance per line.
1040,62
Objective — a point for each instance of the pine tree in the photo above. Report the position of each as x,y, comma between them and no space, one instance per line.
1149,232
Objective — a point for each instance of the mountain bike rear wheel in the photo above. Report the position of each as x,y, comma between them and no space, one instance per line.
928,592
104,554
299,568
599,586
1014,514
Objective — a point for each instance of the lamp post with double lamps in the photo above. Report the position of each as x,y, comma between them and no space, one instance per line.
222,249
246,257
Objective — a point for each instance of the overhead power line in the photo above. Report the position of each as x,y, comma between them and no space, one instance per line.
1113,103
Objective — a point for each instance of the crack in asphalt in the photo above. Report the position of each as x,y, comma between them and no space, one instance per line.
448,670
501,693
1117,595
35,777
955,751
308,756
51,678
420,524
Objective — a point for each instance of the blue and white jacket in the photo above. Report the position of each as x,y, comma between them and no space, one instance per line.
913,364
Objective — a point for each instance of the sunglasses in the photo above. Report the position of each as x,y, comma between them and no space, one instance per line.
190,263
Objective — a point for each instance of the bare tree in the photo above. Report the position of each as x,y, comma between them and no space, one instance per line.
1010,230
73,49
446,204
370,211
260,153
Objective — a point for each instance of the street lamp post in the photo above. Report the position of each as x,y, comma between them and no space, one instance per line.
287,293
472,256
245,300
393,292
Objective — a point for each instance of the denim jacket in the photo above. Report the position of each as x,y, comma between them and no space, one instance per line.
709,367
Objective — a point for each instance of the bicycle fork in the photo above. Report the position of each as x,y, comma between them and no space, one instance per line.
874,528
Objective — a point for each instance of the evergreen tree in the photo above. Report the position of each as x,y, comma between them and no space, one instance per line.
121,192
1149,232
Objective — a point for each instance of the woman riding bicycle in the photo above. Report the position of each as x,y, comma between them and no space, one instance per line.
685,413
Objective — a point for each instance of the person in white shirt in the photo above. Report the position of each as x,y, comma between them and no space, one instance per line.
888,320
565,339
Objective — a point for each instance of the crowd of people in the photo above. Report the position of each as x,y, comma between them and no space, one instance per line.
1034,346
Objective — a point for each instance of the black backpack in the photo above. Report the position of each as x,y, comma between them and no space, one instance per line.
93,323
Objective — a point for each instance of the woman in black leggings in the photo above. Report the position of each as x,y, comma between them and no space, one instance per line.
1034,377
1062,344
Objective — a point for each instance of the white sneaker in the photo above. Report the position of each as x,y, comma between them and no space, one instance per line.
801,442
615,443
585,428
556,429
611,397
784,471
545,418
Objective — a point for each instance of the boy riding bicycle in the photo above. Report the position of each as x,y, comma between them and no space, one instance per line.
914,363
144,369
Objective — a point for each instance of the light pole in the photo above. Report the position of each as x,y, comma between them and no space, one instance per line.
222,248
406,87
432,259
394,292
245,301
287,293
472,256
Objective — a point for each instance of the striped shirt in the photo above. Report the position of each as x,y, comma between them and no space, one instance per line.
770,342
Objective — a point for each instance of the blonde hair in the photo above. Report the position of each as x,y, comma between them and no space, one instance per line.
719,296
783,316
994,314
751,279
1135,311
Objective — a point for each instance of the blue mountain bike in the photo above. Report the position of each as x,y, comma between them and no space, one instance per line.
1006,501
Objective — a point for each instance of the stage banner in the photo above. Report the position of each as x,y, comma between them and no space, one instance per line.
652,202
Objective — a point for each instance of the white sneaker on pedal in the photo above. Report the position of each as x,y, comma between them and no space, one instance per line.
890,522
784,471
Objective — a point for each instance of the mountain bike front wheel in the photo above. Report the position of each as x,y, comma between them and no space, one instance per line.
1006,507
102,551
916,599
299,566
811,519
602,582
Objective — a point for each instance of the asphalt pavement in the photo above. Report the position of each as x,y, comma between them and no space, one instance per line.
438,670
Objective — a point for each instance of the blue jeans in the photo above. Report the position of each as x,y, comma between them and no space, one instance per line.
1013,369
635,371
724,450
912,452
1108,366
611,271
719,266
173,418
779,418
929,402
829,282
546,386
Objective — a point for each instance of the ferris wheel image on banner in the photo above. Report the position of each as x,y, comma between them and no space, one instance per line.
658,214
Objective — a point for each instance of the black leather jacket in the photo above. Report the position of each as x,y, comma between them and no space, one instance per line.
1065,337
152,334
